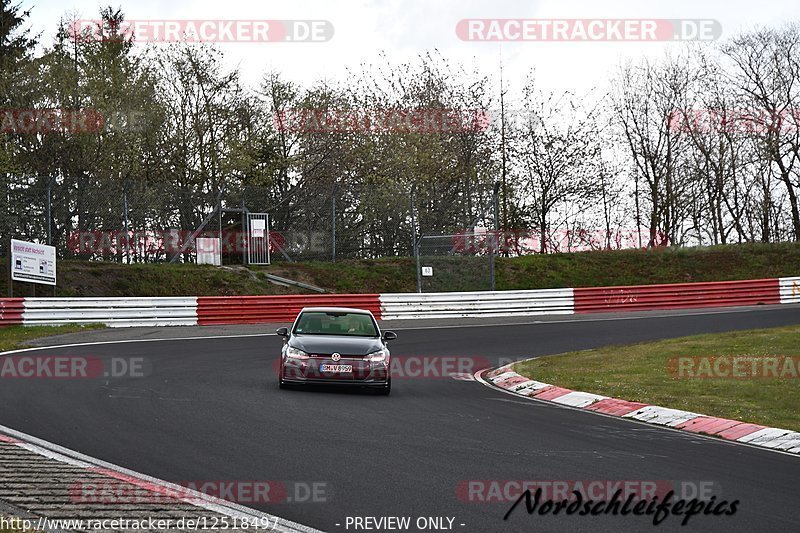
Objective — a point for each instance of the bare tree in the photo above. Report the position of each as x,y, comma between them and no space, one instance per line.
557,149
645,96
767,73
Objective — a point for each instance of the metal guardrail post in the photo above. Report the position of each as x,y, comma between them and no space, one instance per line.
333,225
415,244
10,277
493,235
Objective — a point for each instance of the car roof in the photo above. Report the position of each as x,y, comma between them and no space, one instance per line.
336,310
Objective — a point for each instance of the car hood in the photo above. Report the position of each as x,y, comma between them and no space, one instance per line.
327,344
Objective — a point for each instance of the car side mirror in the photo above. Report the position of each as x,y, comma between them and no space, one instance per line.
389,335
282,332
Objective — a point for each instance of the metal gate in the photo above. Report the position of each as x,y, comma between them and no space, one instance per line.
258,239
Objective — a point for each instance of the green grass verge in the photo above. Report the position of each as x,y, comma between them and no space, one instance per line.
643,267
15,337
397,274
640,373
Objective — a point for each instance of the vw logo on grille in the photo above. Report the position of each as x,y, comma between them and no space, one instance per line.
336,356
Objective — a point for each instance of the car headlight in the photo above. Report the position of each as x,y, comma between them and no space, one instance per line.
377,357
294,353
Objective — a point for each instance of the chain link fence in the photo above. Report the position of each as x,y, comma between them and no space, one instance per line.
457,262
130,222
135,222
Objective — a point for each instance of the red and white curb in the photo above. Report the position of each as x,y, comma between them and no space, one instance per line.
754,434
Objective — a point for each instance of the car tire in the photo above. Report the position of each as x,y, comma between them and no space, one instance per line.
387,389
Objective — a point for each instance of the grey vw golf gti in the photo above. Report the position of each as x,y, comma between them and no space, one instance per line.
338,346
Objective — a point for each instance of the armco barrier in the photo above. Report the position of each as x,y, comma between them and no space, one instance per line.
115,312
677,296
11,311
476,304
207,310
790,290
260,309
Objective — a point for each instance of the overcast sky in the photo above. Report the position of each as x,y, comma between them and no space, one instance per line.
404,28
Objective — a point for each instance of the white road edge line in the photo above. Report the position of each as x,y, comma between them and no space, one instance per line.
124,341
198,499
748,309
687,434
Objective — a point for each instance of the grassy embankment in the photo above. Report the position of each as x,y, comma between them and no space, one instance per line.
647,373
584,269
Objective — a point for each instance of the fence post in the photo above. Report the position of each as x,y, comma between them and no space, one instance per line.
219,209
49,211
10,278
493,235
333,224
414,243
243,235
125,217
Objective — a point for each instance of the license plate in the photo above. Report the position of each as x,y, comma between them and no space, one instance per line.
336,368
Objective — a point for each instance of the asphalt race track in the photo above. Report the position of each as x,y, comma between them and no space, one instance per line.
210,409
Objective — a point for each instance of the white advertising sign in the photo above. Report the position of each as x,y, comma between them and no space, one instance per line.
34,263
257,230
208,251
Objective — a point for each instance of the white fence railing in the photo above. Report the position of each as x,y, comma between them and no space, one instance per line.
183,311
790,290
477,304
114,312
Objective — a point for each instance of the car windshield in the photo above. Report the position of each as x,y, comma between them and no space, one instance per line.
336,323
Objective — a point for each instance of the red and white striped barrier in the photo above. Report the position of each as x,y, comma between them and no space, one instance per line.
755,434
678,296
11,310
260,309
208,310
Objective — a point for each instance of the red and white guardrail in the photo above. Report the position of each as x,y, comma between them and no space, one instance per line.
210,310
